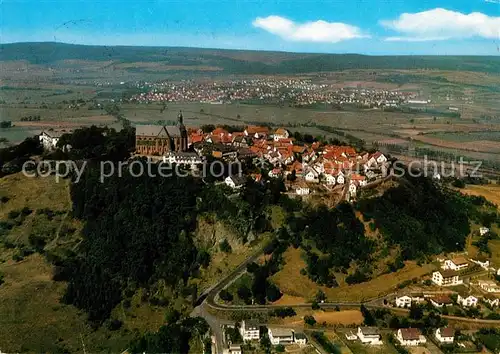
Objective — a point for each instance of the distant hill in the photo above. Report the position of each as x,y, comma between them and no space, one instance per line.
240,61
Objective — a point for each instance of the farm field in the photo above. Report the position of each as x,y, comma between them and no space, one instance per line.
291,282
491,192
467,137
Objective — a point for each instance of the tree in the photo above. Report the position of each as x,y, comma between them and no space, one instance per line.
244,293
225,247
273,293
280,348
265,343
252,267
226,295
320,296
369,319
416,312
315,306
309,320
203,258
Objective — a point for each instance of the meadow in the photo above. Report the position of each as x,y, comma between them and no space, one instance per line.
291,282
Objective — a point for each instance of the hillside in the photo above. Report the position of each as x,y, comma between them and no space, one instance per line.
238,61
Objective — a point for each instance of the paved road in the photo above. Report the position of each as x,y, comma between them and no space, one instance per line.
208,296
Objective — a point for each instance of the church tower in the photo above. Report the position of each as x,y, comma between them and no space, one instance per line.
183,132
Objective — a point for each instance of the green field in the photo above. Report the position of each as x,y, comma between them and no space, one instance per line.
466,137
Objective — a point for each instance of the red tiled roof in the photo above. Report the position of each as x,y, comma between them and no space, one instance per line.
252,129
410,333
447,332
220,131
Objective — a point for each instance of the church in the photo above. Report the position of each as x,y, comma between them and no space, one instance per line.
161,139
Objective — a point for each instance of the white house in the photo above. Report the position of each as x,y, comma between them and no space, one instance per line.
49,139
375,160
403,301
300,338
483,262
410,337
330,179
311,175
491,299
183,158
489,286
235,349
446,278
340,178
467,300
369,335
458,263
235,182
445,335
353,188
275,173
351,336
249,330
483,230
280,335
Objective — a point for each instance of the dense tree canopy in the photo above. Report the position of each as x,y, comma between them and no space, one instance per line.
421,216
137,230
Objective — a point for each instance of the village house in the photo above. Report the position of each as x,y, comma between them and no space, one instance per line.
467,300
441,301
249,330
302,189
235,182
329,179
403,301
369,335
300,338
445,335
410,337
234,349
49,139
351,335
281,133
489,286
491,299
446,278
311,175
340,177
280,335
481,261
256,132
483,230
374,161
275,173
417,297
457,264
240,141
183,158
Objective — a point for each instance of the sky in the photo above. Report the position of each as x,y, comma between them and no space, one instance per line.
436,27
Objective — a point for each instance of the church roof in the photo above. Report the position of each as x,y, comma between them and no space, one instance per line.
157,130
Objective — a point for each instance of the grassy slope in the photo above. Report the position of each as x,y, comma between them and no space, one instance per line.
492,193
30,305
291,282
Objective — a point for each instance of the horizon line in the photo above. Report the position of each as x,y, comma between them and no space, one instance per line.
249,50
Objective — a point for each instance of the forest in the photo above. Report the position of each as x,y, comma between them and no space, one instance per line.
421,216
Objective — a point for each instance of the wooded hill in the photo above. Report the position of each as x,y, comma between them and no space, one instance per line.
239,61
